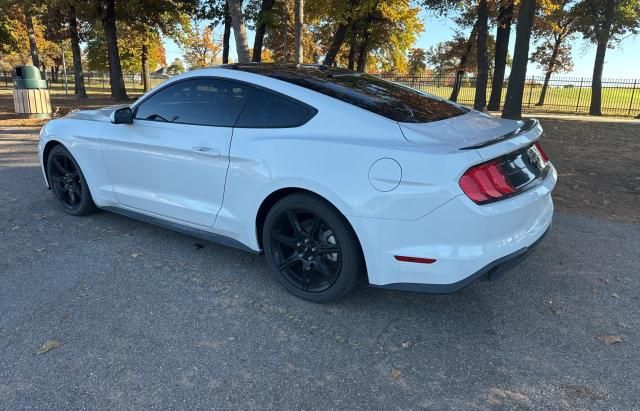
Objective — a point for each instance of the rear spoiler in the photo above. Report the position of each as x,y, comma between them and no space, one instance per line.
528,125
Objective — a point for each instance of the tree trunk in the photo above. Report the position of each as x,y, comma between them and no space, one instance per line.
543,92
547,76
146,79
116,81
261,29
35,58
503,32
363,47
480,101
339,36
227,34
603,40
353,49
515,89
239,30
298,39
463,65
78,75
363,53
336,44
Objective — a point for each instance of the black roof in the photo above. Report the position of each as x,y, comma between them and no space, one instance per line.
391,100
293,70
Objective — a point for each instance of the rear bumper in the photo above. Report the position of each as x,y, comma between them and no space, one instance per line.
466,240
491,271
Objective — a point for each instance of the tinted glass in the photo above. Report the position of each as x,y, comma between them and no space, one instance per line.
207,102
269,110
379,96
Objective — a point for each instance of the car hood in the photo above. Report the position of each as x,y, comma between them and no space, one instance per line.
471,129
101,114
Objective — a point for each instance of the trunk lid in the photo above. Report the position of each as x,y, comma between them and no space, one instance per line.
489,136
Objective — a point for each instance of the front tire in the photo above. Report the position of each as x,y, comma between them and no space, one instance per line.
311,248
68,183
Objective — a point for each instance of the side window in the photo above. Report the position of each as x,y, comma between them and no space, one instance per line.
270,110
202,101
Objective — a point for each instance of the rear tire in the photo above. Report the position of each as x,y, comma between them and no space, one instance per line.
311,248
68,183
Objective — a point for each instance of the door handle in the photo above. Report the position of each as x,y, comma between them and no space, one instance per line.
206,151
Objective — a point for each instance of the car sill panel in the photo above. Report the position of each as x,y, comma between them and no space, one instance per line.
205,235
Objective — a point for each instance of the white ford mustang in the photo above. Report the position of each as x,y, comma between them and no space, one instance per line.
337,176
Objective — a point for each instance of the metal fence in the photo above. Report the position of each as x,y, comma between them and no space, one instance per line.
95,82
620,97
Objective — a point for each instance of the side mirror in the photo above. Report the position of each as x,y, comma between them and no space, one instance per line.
123,115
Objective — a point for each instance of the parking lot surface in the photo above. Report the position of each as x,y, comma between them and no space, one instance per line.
146,317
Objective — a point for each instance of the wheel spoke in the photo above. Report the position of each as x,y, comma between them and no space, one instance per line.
323,270
284,239
313,231
76,189
58,166
72,197
288,262
293,220
306,280
328,249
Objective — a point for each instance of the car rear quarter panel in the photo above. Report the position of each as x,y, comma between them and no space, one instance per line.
331,156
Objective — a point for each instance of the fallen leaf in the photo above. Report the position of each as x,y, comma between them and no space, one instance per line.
610,339
615,295
395,374
48,346
199,246
407,344
15,228
136,255
40,249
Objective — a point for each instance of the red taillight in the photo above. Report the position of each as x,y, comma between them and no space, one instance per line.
486,182
544,155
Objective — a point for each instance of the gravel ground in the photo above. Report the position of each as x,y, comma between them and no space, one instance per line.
146,317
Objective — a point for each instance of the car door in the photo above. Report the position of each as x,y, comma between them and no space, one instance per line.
172,160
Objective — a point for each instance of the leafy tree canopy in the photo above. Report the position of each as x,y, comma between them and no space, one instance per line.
130,46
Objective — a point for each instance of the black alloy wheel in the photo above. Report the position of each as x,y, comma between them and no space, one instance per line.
311,248
68,183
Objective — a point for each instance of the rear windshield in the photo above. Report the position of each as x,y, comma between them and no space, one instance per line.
391,100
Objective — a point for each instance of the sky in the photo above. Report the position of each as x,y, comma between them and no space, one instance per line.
623,61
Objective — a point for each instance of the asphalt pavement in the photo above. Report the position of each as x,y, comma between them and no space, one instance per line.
141,317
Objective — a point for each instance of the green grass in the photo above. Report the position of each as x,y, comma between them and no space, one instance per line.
616,101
